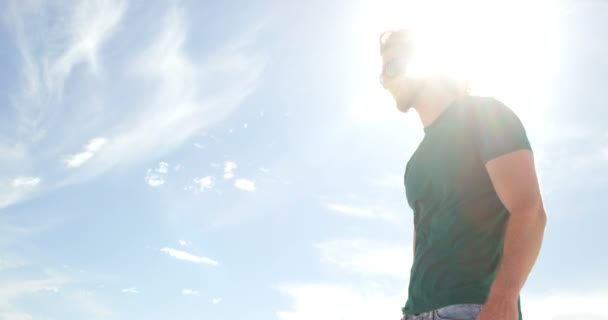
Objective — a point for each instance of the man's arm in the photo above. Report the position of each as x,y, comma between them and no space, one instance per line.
414,244
514,178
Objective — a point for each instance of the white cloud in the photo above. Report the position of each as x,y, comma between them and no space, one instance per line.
156,177
566,305
91,148
333,301
244,184
26,182
379,213
205,183
368,258
163,167
229,167
370,261
572,305
190,292
216,300
184,243
154,180
77,160
182,255
130,290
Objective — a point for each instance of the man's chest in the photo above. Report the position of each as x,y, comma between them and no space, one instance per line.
443,169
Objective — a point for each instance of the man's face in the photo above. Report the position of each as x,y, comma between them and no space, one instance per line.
395,59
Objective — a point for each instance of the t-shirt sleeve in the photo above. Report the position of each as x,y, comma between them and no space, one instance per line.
499,130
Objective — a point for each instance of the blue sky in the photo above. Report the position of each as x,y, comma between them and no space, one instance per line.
190,159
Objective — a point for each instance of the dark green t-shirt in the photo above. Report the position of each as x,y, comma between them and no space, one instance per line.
459,220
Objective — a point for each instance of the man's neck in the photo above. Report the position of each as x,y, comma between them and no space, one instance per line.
431,106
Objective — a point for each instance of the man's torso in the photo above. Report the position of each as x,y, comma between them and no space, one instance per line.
458,218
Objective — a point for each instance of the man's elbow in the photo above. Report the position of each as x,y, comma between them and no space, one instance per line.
537,215
542,217
531,214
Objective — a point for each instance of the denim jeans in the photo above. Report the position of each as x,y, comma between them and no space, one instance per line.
453,312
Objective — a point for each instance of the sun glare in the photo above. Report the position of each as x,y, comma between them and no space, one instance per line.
503,47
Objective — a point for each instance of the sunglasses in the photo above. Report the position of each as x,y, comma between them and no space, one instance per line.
393,69
401,43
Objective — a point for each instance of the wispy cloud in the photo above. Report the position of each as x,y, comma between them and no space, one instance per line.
190,292
74,41
183,255
392,181
187,95
216,300
245,185
8,262
89,304
131,290
92,23
26,182
53,289
12,291
15,189
368,258
379,213
90,149
11,152
173,94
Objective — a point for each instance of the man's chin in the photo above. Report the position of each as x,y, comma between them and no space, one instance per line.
404,105
403,109
408,99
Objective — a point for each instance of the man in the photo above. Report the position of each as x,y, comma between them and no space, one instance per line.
478,214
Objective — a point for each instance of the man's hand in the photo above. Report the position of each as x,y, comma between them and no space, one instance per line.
499,310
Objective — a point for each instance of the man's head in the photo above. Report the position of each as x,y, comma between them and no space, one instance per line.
398,48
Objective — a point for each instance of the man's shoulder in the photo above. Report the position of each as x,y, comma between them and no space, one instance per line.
485,108
473,103
468,108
